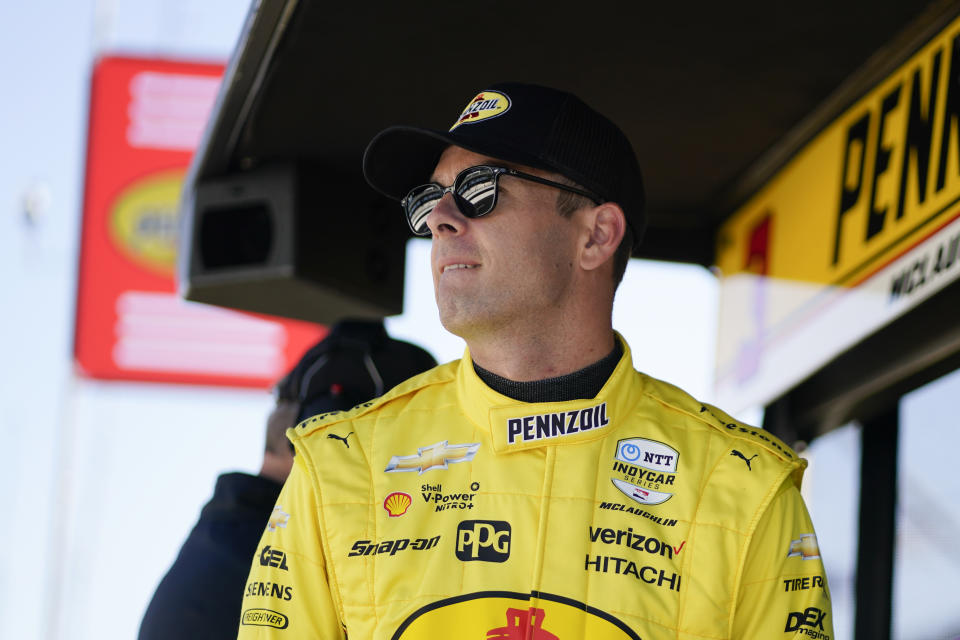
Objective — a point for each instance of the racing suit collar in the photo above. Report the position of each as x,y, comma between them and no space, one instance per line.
516,426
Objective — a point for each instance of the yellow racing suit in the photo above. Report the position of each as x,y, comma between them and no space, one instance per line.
446,510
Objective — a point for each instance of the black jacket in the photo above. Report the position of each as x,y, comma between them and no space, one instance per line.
201,594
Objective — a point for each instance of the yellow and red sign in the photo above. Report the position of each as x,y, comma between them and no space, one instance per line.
859,227
146,118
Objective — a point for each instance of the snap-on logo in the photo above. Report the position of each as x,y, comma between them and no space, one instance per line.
487,104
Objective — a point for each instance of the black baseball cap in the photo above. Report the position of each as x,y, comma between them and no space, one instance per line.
523,124
357,361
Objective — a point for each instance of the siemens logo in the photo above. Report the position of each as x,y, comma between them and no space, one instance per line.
555,425
270,590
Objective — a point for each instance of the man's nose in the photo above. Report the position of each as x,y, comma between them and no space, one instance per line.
446,217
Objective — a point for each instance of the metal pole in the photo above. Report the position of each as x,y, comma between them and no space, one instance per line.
878,501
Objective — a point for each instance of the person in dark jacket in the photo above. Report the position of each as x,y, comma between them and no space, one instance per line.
200,595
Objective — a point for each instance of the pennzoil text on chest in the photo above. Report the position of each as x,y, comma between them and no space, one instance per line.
560,423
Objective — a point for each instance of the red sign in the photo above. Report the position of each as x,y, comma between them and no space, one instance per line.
146,118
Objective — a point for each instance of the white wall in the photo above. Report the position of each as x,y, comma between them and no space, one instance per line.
142,461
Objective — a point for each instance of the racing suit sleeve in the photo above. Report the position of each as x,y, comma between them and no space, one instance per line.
287,595
783,589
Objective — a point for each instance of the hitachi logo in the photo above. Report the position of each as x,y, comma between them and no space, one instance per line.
554,425
624,567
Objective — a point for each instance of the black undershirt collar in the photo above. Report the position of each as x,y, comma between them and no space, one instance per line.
579,385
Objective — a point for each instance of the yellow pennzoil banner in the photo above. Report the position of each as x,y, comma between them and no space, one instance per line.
859,227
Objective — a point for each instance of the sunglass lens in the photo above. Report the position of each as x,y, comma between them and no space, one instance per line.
418,204
478,188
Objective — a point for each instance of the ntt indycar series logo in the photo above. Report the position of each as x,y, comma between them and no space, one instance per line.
645,470
555,425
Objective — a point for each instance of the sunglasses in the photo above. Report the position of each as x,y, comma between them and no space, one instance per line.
474,192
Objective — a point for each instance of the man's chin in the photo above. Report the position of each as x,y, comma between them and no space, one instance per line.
453,325
462,321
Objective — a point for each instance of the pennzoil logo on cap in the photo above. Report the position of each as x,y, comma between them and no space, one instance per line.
487,104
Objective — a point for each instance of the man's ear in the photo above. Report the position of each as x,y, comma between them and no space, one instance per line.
605,225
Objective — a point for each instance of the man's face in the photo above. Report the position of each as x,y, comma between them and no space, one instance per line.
507,271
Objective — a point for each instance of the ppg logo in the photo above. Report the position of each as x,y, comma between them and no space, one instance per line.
483,540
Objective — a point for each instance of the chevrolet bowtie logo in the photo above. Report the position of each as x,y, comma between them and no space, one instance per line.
805,546
436,456
279,518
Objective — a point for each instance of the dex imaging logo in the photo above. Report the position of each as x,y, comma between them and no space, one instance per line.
808,622
483,540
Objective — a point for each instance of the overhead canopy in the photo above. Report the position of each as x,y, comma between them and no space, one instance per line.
712,95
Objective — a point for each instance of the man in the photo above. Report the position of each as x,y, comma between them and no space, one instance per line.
200,595
539,487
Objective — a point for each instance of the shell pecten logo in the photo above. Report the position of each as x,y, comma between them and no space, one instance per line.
487,104
143,220
397,503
